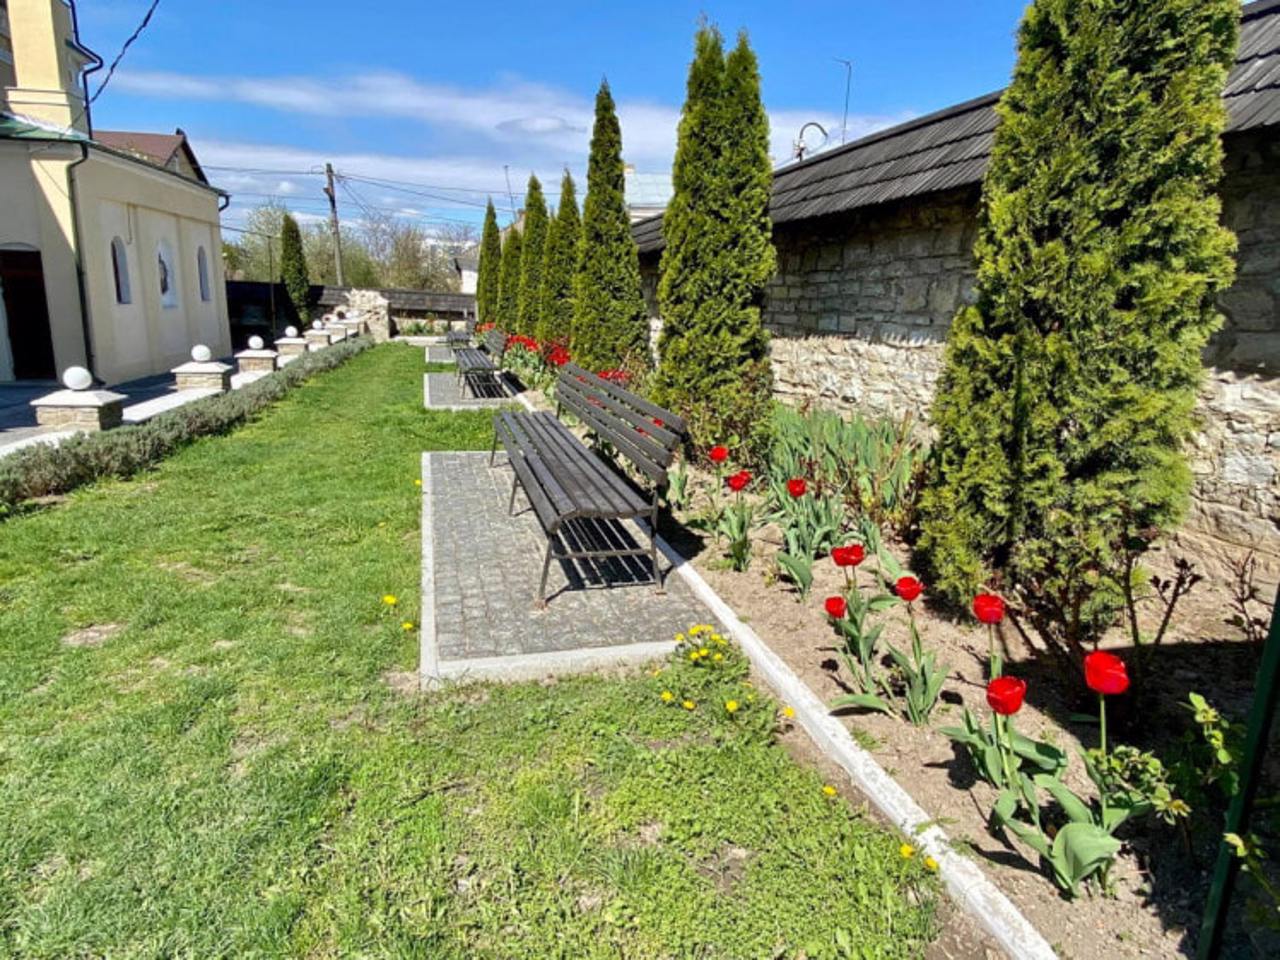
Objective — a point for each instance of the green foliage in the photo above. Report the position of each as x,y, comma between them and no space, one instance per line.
559,266
1068,387
46,470
489,270
735,525
610,323
531,255
873,465
509,282
921,677
718,256
293,266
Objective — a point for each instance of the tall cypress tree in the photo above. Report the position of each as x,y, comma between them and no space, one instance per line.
718,255
1068,388
490,267
559,262
534,240
610,326
509,283
293,266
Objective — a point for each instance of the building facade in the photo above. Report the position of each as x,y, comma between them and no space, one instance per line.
110,246
875,244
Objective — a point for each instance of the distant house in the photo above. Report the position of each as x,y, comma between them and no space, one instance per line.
647,194
468,270
110,246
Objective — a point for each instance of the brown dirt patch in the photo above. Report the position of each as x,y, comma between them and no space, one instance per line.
403,682
92,636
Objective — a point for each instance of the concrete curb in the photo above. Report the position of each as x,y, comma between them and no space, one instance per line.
966,884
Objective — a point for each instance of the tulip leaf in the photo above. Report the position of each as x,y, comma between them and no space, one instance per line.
867,701
1077,810
1080,850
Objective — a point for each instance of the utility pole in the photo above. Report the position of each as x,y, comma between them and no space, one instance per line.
848,82
333,221
511,197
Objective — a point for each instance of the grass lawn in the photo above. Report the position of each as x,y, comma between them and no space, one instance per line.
201,754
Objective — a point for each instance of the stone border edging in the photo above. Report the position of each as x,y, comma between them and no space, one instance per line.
966,884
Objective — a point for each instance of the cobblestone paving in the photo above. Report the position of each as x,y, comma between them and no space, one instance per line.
487,565
439,354
441,391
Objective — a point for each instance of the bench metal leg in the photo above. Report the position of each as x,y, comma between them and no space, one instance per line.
493,452
541,602
659,587
515,482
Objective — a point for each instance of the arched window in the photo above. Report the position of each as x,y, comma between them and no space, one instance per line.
167,276
120,270
202,268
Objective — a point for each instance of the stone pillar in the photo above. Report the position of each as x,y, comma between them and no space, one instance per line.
337,332
78,407
290,346
203,372
318,337
257,359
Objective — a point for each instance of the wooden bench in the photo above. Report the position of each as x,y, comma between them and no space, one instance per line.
458,339
477,368
576,494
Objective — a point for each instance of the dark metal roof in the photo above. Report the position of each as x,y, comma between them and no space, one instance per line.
949,149
407,300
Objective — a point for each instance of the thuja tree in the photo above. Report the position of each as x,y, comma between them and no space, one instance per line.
1068,387
509,283
559,261
293,266
534,240
490,267
718,255
610,326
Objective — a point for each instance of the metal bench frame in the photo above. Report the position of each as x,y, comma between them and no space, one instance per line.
573,490
476,366
458,339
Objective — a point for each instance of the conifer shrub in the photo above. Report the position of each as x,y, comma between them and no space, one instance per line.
490,267
610,323
718,255
509,282
293,266
1068,387
559,264
533,240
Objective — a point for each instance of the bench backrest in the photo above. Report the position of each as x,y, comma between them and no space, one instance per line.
644,433
495,344
470,326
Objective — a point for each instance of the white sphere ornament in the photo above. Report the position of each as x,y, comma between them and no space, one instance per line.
290,331
317,325
255,343
201,354
77,378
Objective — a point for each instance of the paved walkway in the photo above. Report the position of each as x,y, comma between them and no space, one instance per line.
439,354
18,418
441,391
481,568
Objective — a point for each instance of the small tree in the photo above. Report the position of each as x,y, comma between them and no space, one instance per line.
509,283
555,307
610,325
718,256
293,266
533,241
1068,387
490,267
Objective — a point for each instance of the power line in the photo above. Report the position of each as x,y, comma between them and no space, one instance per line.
123,50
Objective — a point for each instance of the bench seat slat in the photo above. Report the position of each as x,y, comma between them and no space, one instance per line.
597,490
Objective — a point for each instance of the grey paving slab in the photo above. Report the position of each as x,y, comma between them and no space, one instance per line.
481,567
442,391
439,354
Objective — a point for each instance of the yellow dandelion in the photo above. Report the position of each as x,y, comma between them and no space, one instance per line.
829,790
693,655
718,657
704,652
907,851
667,696
731,706
407,625
789,712
931,864
389,599
382,523
417,483
688,704
679,638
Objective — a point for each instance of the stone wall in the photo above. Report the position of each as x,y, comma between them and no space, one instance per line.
861,304
373,308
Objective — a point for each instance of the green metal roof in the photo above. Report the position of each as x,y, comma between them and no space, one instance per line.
20,128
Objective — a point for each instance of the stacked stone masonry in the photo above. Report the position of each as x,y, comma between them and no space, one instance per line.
860,307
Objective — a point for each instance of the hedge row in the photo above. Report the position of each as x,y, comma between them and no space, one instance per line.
45,470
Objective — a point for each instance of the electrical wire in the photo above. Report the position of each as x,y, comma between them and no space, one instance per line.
123,50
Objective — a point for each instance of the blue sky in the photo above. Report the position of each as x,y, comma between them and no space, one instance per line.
439,97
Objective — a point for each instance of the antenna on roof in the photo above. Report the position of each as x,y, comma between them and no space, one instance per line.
848,82
800,148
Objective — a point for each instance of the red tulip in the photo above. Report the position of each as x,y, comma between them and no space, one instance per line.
796,486
909,588
739,481
718,454
849,556
1105,673
658,422
988,608
1005,695
836,607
